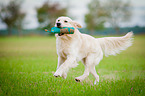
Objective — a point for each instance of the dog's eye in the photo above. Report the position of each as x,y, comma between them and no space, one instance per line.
65,21
58,20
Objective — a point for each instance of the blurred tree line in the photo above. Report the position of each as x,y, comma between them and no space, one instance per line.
47,14
12,16
111,11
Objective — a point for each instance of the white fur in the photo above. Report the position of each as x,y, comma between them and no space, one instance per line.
72,48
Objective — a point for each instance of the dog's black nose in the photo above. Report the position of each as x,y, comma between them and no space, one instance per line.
58,24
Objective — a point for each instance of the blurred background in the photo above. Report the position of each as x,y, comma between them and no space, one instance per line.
28,57
98,17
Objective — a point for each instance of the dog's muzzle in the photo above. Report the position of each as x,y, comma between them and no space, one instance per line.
58,25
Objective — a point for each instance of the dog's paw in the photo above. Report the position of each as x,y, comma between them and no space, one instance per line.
57,75
78,79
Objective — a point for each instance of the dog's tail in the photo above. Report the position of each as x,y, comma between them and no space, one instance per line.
114,45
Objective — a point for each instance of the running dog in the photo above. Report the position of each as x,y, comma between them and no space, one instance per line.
72,48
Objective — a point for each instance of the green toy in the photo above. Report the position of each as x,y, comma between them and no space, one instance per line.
61,31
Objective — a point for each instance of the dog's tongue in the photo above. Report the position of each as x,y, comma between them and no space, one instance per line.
60,34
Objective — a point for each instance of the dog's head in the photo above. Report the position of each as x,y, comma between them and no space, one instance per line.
66,22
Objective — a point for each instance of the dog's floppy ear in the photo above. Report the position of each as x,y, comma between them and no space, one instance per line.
76,25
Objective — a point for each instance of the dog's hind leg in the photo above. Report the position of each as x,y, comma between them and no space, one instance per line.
93,70
82,77
90,61
94,73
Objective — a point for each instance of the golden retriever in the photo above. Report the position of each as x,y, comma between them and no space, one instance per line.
72,48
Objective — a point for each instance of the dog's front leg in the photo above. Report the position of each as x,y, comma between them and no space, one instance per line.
60,61
70,62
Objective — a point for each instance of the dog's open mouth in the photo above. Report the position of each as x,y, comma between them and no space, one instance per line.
60,34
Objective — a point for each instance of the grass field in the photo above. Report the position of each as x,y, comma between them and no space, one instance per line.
27,65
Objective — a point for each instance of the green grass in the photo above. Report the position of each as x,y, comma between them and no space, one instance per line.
27,65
